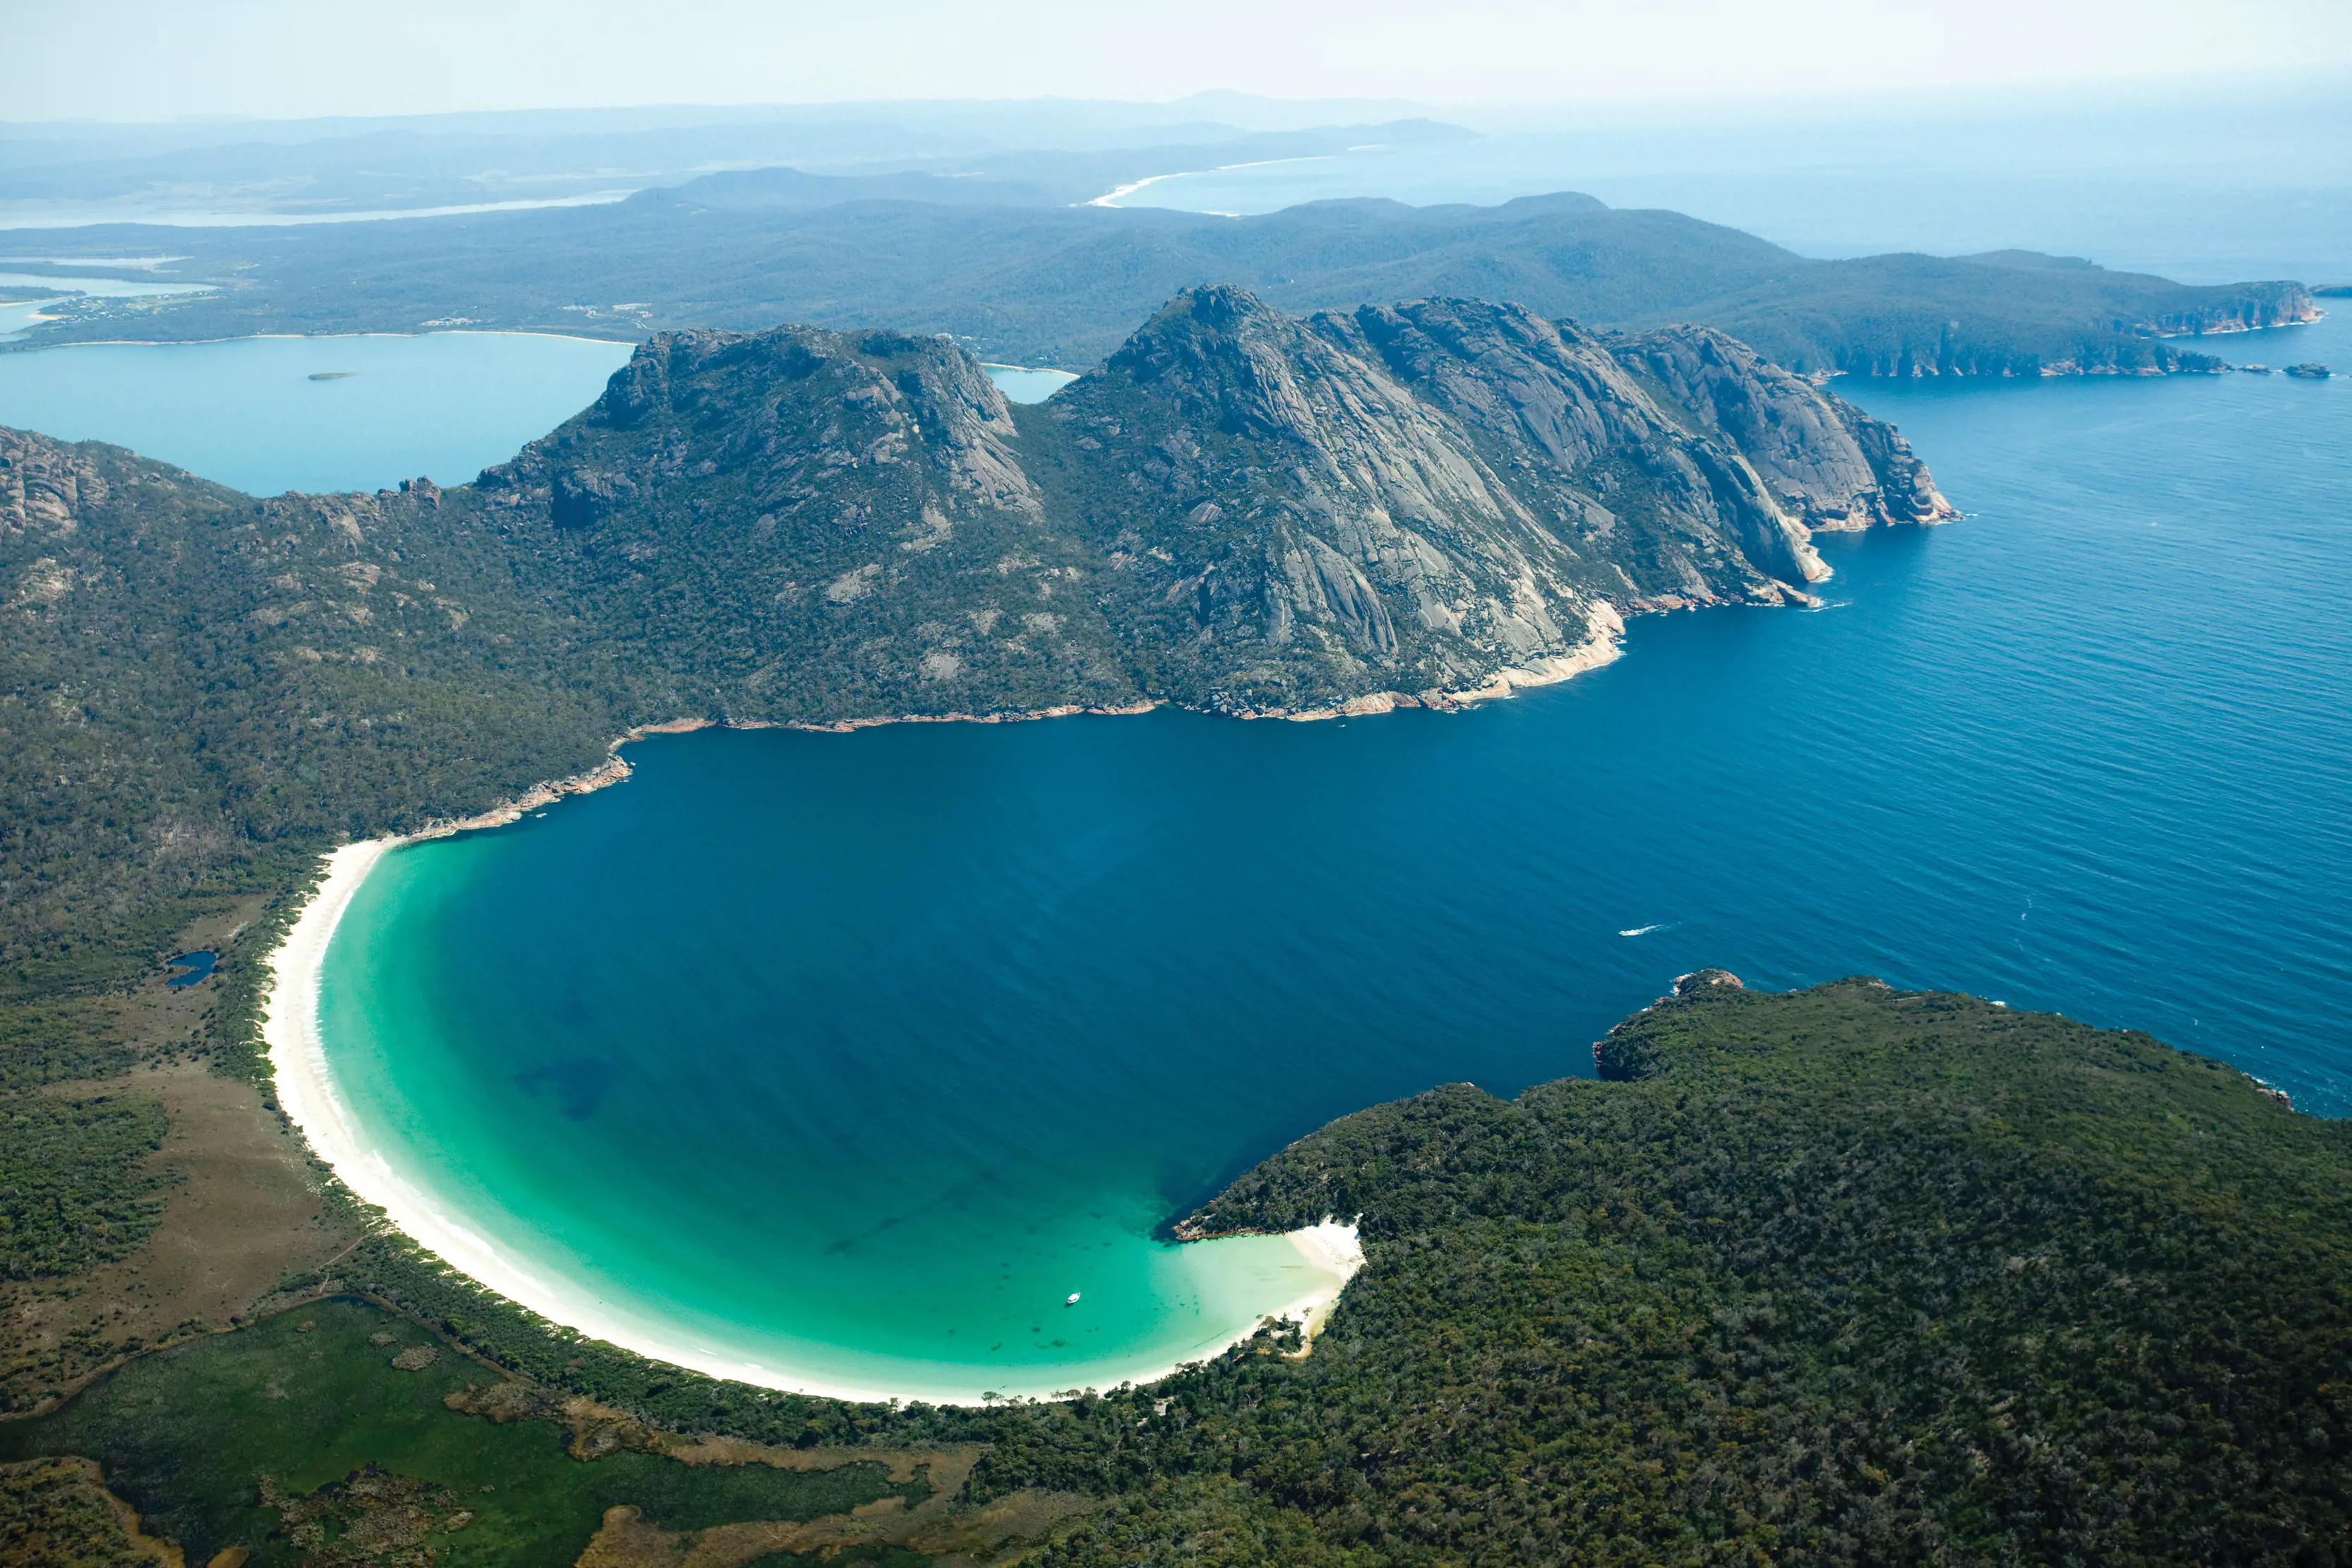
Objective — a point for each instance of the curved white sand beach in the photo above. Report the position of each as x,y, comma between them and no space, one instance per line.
307,1090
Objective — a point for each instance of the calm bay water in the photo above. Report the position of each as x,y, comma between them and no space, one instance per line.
270,415
247,414
861,1051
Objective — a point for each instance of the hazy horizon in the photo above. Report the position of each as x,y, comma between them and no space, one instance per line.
146,62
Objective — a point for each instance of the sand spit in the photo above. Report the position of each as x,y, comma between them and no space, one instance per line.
1337,1251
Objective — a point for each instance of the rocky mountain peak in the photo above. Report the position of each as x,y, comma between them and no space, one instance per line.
1239,509
793,415
1222,356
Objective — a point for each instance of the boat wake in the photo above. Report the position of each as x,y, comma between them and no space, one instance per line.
1645,930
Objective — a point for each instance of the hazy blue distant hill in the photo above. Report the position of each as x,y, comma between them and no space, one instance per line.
1061,285
1036,178
329,167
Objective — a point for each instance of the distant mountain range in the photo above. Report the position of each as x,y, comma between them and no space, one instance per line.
1005,257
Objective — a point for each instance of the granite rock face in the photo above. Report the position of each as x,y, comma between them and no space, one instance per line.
815,525
1826,462
44,485
1418,499
1240,510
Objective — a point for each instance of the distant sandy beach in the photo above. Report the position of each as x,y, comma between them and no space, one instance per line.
306,1089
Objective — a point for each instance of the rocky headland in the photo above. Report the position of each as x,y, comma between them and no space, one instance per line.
1239,510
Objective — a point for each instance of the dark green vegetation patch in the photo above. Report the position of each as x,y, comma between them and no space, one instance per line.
71,1190
53,1514
297,1441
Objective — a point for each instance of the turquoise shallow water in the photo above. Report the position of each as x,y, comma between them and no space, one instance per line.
867,1048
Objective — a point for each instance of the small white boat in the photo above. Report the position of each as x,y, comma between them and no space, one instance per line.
1073,1301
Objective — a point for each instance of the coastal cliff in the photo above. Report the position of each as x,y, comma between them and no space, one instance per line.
1828,464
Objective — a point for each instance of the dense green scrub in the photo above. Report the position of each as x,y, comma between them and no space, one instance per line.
74,1186
203,688
70,1191
304,1418
53,1514
1848,1275
198,691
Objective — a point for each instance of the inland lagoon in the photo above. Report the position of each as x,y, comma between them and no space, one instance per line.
319,414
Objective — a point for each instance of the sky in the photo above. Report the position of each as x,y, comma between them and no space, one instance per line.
162,59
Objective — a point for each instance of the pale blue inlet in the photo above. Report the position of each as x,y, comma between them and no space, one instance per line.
247,412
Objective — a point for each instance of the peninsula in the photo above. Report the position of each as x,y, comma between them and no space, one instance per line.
1241,510
1063,285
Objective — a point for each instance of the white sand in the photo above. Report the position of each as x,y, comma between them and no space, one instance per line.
1112,198
306,1089
1336,1249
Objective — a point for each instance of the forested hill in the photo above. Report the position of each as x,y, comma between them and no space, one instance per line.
1842,1275
1064,284
1244,512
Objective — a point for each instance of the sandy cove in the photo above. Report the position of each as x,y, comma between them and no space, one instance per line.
307,1092
306,1089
